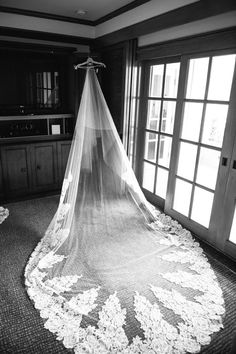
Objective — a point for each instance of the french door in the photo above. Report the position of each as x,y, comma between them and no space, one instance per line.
188,163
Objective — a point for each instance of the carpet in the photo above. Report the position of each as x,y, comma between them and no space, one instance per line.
21,328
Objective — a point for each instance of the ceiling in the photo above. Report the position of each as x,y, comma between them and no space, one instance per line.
95,9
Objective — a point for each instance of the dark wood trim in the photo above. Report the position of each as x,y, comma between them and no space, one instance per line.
49,16
35,47
46,36
141,123
121,10
185,14
214,40
132,5
34,139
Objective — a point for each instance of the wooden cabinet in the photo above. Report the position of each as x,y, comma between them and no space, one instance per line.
44,166
63,150
16,173
32,168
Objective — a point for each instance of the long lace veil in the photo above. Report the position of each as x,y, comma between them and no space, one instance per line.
111,275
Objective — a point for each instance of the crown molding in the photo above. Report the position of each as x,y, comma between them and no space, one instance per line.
46,36
213,40
34,47
30,13
49,16
120,11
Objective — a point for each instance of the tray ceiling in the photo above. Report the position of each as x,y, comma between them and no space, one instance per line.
94,9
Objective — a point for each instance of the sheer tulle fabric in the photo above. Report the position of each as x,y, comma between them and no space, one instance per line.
111,275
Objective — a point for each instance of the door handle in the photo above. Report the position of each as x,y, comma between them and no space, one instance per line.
224,161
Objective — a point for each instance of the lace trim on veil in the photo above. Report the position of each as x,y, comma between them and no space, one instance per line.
198,319
4,213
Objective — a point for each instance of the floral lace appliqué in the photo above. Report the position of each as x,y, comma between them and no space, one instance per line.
198,318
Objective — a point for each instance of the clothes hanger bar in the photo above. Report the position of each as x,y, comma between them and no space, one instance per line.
89,63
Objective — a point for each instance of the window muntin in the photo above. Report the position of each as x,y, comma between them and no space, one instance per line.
201,139
161,107
44,90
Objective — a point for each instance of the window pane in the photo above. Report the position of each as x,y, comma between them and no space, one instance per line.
168,116
49,80
197,76
45,79
232,236
187,159
156,80
148,176
192,121
208,167
182,196
45,95
222,71
164,150
202,205
171,80
214,125
153,114
151,142
161,183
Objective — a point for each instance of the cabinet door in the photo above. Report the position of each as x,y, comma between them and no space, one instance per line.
16,173
63,150
44,166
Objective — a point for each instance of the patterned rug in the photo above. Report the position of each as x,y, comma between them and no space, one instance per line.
21,328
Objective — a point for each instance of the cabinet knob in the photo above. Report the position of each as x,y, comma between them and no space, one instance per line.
23,169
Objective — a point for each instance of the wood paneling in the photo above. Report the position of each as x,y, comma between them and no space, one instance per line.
18,72
113,81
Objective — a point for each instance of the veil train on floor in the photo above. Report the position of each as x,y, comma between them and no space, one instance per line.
112,274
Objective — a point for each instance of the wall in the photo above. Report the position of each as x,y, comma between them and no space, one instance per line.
209,24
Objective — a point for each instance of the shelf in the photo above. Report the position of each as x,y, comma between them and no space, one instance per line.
30,126
38,116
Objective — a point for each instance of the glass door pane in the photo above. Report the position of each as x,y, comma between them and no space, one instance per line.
203,124
161,106
227,231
